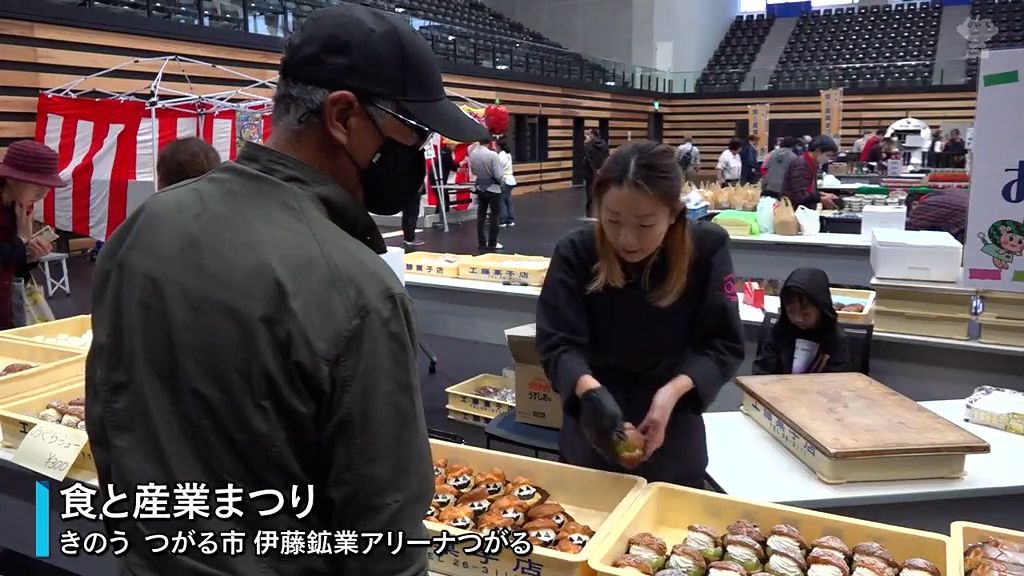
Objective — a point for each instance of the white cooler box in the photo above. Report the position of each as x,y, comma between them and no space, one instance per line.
915,255
877,217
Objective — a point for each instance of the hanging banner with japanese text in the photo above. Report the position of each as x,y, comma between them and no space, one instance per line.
757,118
832,113
994,249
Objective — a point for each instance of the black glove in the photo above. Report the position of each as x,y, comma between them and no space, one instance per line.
601,421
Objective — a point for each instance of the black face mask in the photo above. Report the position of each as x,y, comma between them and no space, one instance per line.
393,178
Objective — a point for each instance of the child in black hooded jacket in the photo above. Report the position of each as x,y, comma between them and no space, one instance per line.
808,322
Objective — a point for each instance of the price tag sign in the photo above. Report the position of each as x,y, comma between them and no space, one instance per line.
50,449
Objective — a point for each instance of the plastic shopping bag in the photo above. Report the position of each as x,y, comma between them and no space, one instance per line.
28,304
785,219
766,214
809,220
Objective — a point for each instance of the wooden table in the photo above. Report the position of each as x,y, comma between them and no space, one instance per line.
745,461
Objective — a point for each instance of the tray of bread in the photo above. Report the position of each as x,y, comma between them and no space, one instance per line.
675,531
849,427
482,491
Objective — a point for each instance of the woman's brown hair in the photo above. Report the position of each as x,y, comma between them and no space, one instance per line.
645,167
185,159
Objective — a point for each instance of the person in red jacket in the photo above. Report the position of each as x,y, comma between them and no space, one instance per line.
800,184
865,153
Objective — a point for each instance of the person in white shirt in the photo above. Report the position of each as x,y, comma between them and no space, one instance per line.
858,146
730,165
508,215
486,168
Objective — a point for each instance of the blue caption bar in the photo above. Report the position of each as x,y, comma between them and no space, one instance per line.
42,519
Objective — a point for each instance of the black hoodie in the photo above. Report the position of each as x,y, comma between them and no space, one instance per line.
775,353
595,153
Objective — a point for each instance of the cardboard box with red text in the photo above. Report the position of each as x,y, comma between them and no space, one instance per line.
536,401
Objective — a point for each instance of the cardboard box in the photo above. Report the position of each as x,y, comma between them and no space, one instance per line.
915,255
536,401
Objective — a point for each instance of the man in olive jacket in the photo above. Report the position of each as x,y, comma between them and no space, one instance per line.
249,338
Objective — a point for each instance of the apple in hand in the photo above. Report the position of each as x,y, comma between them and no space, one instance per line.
630,448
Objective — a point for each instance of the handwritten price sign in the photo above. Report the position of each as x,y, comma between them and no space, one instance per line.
51,449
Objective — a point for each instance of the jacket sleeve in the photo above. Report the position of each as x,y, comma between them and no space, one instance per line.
13,252
839,356
718,332
767,361
374,439
562,331
797,182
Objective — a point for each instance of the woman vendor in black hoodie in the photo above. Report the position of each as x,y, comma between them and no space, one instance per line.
638,321
809,324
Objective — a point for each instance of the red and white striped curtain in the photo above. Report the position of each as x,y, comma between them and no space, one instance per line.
105,144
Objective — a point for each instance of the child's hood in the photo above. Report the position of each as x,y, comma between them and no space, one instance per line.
813,284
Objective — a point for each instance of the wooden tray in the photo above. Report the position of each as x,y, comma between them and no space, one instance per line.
666,510
433,264
73,326
848,427
968,533
16,418
599,506
505,268
53,365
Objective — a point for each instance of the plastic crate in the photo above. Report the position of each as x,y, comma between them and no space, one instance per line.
75,326
463,396
666,510
600,505
863,297
473,419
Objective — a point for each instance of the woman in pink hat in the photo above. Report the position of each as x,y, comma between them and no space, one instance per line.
27,174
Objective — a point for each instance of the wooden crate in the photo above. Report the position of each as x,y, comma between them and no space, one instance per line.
433,264
863,297
952,326
74,326
851,428
463,396
17,418
1001,330
599,506
1005,305
965,534
459,414
54,365
510,269
666,510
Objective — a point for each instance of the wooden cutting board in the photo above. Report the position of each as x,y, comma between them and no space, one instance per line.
853,416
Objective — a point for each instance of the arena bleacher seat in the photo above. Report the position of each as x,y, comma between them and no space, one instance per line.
866,46
732,60
460,31
1008,17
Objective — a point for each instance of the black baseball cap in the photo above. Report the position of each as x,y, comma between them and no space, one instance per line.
379,55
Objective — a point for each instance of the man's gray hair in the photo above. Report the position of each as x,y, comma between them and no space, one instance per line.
293,100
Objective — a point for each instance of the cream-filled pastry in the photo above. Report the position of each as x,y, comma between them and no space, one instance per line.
782,564
827,562
921,567
831,543
786,538
688,559
706,540
725,568
649,546
744,551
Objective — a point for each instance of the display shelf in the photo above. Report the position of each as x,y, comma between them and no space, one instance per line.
854,241
471,285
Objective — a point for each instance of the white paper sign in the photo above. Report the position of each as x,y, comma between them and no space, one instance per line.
51,449
994,249
803,355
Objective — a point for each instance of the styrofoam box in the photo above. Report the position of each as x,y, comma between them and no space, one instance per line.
915,255
878,217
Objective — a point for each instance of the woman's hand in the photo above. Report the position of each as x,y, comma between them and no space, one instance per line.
24,220
664,402
37,248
